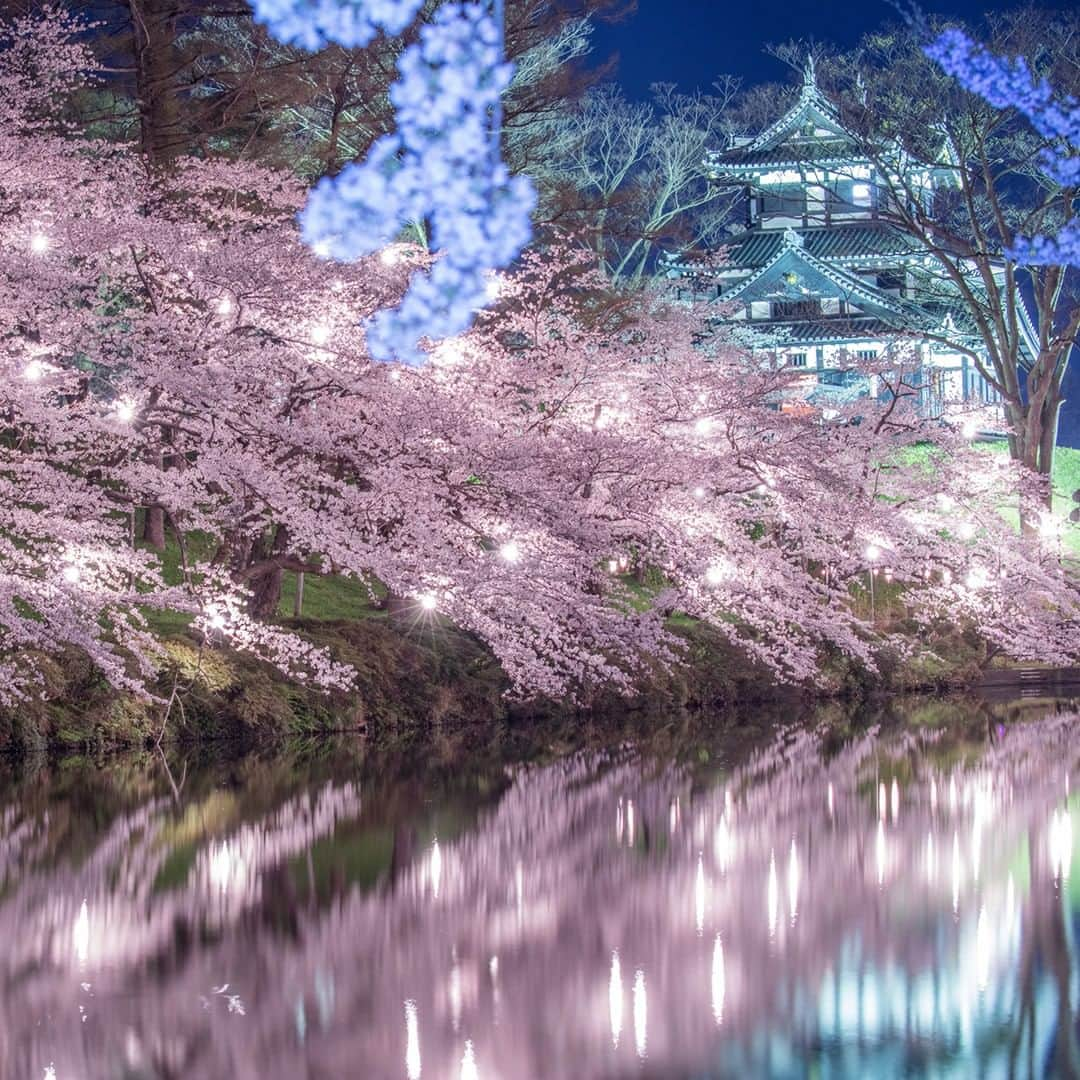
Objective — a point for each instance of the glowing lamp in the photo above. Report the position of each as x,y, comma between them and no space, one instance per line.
39,243
716,574
873,552
510,552
34,370
428,602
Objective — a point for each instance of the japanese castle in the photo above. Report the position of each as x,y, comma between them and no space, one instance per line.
818,278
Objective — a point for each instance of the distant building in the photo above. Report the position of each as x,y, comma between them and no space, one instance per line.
819,277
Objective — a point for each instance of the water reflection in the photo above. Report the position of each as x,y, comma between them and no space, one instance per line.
878,903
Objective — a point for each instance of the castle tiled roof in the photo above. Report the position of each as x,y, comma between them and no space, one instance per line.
756,247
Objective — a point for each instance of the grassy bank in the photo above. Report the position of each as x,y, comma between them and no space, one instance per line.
412,675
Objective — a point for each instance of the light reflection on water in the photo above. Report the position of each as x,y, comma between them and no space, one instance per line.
707,903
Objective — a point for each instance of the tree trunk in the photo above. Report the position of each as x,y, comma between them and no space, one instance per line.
266,587
153,531
266,593
157,64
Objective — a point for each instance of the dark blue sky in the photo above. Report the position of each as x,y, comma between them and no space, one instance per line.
691,42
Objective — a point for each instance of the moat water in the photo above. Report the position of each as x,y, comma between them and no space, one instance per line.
872,893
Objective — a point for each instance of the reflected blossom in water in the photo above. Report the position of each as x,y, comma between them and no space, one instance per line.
844,908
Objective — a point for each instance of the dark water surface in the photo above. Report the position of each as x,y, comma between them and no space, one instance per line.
849,895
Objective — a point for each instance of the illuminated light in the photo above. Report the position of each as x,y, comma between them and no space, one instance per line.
50,1072
895,800
412,1042
699,897
428,601
322,251
468,1063
436,868
703,426
615,998
723,845
395,374
510,552
873,552
124,410
493,968
880,853
34,370
982,950
881,801
955,873
718,573
455,995
829,799
618,823
629,823
224,306
80,934
1061,843
320,334
966,530
448,353
613,566
673,816
718,986
71,574
793,883
640,1013
40,243
1049,527
699,493
772,895
969,429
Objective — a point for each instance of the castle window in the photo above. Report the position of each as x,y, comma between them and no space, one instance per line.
797,359
866,354
786,201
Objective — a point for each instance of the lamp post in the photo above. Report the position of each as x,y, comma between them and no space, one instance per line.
873,552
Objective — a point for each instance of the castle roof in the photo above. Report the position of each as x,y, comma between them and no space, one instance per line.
810,132
854,242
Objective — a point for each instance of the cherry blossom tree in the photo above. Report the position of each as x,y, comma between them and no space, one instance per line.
171,342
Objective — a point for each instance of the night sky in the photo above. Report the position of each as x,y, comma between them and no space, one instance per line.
692,42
